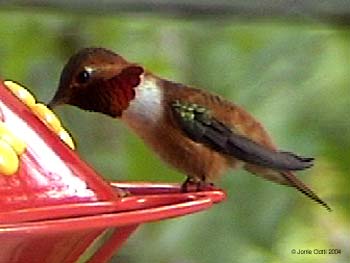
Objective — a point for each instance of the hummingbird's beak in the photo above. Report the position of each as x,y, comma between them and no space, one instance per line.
57,100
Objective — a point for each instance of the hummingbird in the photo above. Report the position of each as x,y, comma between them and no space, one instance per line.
197,132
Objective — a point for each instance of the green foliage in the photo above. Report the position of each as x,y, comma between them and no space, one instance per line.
294,78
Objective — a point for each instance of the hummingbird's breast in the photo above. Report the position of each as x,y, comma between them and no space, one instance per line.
146,109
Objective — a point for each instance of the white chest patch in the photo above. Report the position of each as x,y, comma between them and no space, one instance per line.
146,108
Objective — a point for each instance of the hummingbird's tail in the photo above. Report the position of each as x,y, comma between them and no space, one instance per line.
285,178
298,184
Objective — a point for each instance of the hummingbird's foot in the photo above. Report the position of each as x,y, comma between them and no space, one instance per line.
195,184
189,185
122,192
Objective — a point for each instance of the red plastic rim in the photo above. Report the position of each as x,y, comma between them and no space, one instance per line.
149,207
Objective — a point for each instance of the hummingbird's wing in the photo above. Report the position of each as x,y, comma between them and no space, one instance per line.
198,123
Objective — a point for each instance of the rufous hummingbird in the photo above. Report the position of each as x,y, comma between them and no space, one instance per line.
197,132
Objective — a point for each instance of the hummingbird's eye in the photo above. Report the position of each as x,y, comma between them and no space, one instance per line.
83,76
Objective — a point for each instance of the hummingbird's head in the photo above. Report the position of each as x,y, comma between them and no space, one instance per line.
97,79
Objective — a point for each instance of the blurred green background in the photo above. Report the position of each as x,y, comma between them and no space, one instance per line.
293,76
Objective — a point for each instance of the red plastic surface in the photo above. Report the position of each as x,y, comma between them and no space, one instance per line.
63,240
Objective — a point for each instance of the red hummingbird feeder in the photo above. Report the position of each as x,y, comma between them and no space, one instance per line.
54,207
